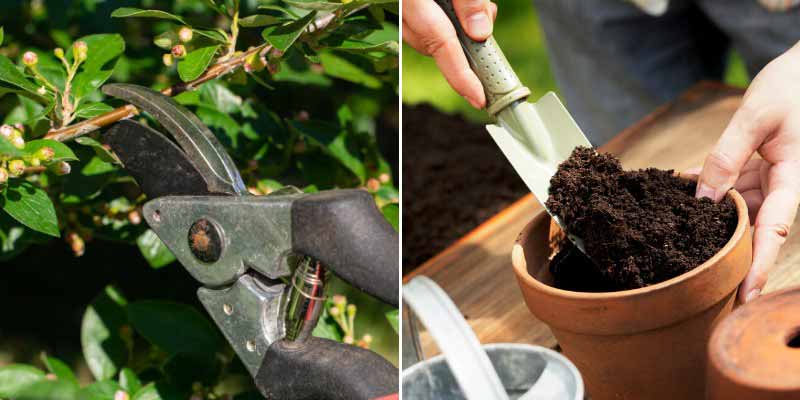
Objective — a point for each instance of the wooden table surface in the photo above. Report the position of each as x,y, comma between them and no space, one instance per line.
476,270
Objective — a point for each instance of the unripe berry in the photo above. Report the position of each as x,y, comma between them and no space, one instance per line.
34,162
178,51
16,167
18,141
135,217
373,184
80,50
351,310
41,91
18,126
339,299
6,131
167,59
275,54
76,243
367,338
384,178
51,377
45,154
30,59
3,175
185,34
61,168
348,339
59,52
121,395
334,312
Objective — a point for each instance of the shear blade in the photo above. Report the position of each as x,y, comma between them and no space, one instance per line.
159,166
202,148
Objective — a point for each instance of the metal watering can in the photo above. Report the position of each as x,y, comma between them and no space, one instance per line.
467,370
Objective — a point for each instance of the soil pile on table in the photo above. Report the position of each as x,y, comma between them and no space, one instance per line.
454,178
639,227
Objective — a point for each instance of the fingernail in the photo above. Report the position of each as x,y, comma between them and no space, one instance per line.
705,191
752,295
479,25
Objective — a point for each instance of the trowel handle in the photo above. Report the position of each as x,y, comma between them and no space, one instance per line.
500,83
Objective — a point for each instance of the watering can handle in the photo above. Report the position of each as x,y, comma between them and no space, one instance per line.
468,362
501,85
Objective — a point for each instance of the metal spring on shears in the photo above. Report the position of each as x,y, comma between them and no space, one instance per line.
306,299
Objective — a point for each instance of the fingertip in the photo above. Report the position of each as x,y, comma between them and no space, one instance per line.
479,26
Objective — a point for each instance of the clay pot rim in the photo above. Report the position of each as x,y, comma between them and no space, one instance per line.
521,268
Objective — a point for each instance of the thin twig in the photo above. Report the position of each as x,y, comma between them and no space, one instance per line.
224,67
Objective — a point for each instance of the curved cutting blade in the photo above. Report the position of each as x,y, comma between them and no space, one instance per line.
204,151
159,166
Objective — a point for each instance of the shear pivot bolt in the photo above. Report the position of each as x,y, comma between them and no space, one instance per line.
251,346
205,240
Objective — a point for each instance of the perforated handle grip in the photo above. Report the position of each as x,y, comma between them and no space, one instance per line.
500,83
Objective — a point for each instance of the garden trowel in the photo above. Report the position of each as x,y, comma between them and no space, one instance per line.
535,137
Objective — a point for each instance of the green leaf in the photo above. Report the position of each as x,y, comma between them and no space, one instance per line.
283,36
128,381
31,206
393,318
88,81
314,5
217,119
196,62
358,46
343,69
62,151
327,328
214,35
2,35
154,250
14,377
279,9
89,110
61,370
392,214
259,20
104,348
103,48
182,369
159,391
174,327
48,390
103,390
131,12
333,139
101,151
9,150
220,97
13,76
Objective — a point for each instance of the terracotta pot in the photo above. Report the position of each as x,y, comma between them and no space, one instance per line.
647,343
755,352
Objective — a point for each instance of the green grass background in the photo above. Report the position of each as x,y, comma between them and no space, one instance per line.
517,30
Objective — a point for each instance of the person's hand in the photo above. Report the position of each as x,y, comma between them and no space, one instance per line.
767,122
428,30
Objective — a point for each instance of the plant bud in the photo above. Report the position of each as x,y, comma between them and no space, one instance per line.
348,339
167,59
185,34
61,168
45,154
6,131
135,217
274,67
18,126
178,51
3,176
384,178
80,50
254,62
334,312
76,243
367,338
34,162
30,59
339,299
121,395
59,52
41,91
373,184
51,377
275,54
16,167
351,310
18,141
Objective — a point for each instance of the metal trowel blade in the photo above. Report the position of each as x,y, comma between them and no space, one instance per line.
536,138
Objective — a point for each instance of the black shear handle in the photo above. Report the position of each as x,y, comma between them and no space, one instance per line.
321,369
346,232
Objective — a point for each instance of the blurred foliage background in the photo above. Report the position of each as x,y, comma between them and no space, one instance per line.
518,32
321,114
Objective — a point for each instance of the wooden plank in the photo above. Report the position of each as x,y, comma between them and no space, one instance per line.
476,270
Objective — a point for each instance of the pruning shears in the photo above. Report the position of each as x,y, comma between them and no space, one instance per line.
262,261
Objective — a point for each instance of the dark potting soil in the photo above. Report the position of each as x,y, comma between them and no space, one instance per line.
454,178
639,227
